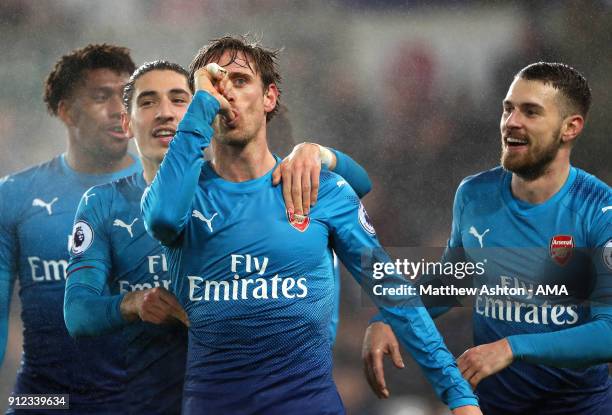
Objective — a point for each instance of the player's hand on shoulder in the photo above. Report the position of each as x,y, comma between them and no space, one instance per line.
485,360
154,305
467,410
299,173
213,79
379,340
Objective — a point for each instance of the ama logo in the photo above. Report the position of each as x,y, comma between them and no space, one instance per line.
561,247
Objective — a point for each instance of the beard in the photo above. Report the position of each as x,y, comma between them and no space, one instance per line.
532,165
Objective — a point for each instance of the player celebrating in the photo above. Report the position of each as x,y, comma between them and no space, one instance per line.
37,209
253,278
116,253
541,354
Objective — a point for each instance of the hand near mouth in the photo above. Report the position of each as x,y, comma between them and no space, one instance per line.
203,81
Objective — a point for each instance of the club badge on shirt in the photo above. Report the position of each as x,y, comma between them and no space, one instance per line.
561,247
299,222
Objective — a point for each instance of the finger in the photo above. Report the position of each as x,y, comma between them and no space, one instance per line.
371,378
469,373
287,179
171,301
476,378
296,192
314,184
396,356
153,315
306,192
276,175
379,372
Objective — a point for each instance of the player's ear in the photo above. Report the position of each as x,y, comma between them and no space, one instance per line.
270,98
65,113
571,128
126,124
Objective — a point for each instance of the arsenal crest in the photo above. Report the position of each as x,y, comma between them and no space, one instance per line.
299,222
561,247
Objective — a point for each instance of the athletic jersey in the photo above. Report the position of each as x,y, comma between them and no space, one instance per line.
115,244
548,250
38,207
257,284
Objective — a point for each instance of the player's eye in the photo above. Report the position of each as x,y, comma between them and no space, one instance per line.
99,97
146,103
240,81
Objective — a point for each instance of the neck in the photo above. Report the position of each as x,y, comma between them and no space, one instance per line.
86,162
544,187
239,164
149,169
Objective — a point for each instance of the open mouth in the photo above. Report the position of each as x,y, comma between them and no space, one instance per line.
116,131
164,134
516,142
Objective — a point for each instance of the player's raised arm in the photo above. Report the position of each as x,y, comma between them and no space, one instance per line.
167,202
355,241
299,173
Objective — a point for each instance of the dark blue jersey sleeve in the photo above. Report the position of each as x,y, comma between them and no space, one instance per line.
166,203
351,171
88,309
354,240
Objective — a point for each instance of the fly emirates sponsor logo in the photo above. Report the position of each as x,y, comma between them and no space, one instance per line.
256,286
157,264
533,308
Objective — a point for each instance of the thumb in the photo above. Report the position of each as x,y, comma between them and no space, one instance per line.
276,175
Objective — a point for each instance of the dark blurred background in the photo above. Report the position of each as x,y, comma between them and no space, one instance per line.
410,89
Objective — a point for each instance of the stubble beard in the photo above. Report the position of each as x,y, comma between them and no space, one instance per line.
531,166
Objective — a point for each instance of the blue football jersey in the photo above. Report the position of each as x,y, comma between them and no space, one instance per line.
38,207
115,242
258,284
552,250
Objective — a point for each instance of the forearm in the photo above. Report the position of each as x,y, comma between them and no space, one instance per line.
355,175
87,310
166,205
585,345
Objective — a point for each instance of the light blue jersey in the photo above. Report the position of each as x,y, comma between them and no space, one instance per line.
37,208
566,243
257,284
112,252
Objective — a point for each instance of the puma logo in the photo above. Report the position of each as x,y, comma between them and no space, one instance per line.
478,236
122,224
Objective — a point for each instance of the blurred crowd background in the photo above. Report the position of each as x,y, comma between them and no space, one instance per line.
410,89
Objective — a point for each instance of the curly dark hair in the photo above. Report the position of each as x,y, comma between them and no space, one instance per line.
69,70
264,60
568,81
160,65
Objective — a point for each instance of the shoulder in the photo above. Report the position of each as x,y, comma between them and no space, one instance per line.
334,190
482,182
591,199
30,174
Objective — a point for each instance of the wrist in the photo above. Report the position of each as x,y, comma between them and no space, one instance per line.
128,308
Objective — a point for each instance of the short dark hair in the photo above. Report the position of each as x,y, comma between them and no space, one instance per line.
264,60
69,70
159,65
568,81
